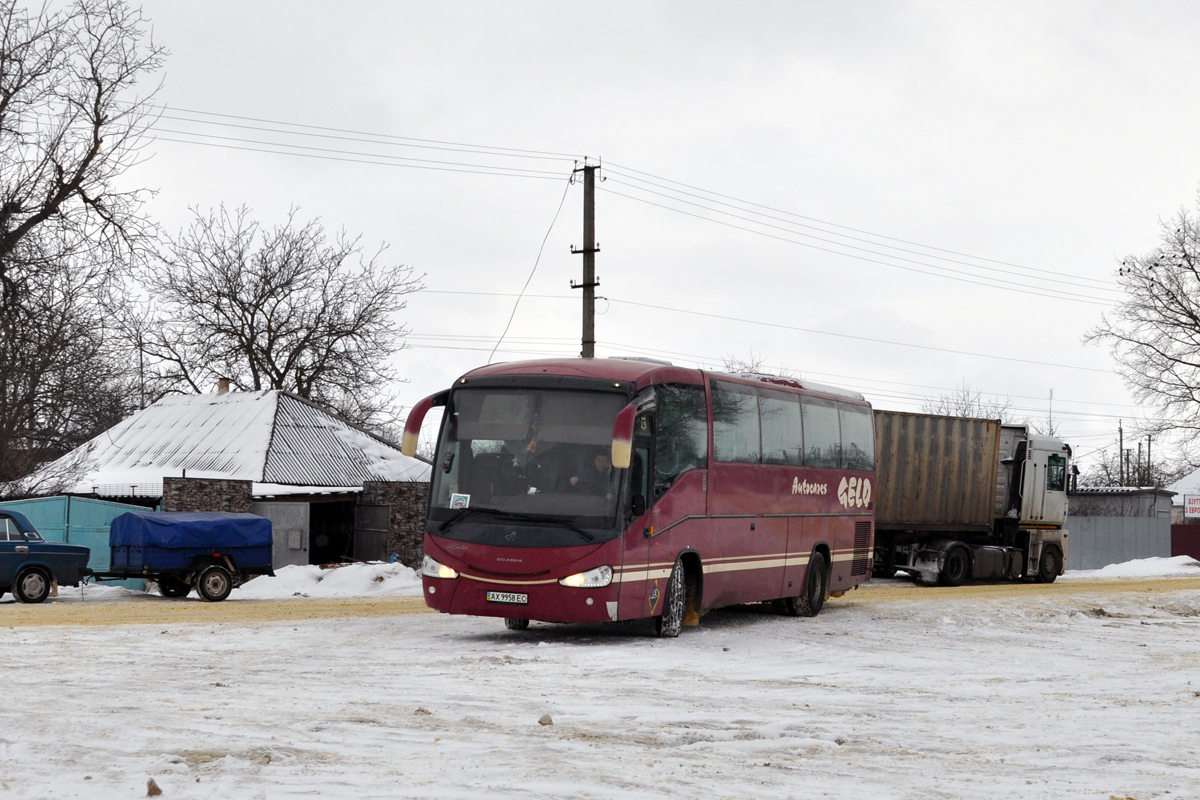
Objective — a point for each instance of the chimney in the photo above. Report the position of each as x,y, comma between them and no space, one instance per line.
223,386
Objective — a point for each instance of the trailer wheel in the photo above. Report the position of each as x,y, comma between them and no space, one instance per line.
214,583
516,624
173,586
32,586
1049,565
956,567
812,601
671,622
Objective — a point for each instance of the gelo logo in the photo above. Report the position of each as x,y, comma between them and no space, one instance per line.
854,492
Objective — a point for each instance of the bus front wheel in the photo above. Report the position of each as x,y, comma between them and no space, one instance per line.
671,622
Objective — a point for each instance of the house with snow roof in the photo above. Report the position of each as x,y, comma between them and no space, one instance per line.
329,487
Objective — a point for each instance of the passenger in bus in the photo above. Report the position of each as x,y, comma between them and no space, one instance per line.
595,478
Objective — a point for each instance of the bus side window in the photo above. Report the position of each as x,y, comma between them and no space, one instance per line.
681,433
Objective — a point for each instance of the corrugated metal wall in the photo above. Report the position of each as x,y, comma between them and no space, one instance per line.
78,520
1096,542
1185,540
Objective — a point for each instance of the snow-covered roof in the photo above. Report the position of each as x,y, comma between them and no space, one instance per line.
1188,484
268,437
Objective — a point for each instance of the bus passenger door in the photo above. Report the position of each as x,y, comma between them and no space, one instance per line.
637,545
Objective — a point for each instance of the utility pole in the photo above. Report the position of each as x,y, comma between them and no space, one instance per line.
1121,451
588,251
1141,476
1149,468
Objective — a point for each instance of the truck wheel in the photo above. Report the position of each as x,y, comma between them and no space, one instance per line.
32,586
812,601
956,567
1050,564
516,624
671,621
172,586
214,583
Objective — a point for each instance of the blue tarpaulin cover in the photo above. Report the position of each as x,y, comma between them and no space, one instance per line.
189,530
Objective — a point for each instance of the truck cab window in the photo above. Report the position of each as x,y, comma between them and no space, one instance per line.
1056,474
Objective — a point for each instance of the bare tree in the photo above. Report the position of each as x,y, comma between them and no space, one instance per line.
1154,333
71,123
286,308
753,365
1106,470
966,401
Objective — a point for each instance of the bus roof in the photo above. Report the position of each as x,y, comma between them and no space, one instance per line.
643,372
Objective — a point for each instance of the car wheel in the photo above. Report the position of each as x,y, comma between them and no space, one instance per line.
1049,565
173,586
671,622
516,624
32,586
214,583
810,603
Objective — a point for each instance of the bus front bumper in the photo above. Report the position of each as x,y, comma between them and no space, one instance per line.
547,601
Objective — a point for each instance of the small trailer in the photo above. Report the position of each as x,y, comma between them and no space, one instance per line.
211,552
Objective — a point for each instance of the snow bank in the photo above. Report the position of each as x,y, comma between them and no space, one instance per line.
352,580
1179,566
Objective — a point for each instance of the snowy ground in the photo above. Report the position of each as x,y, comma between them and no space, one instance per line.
1087,688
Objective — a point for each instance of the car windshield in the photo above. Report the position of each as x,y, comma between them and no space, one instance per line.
529,451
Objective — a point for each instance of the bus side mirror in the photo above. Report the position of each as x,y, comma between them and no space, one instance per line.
622,439
412,427
638,505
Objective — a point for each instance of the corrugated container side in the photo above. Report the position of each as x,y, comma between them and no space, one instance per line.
935,473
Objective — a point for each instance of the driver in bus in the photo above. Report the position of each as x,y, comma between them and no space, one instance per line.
596,477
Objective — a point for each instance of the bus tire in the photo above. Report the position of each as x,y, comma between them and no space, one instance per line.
810,603
670,622
956,567
1049,565
516,624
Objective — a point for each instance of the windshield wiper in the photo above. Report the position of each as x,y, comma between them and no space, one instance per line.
515,516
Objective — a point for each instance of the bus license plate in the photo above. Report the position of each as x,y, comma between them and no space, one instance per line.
507,597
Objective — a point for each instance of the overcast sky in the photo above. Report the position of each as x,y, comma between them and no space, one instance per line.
1012,152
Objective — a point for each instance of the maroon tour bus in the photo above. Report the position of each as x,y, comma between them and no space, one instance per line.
590,490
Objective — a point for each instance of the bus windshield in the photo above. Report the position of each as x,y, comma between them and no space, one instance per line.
529,451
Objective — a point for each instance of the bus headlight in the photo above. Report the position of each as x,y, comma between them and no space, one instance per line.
592,579
436,570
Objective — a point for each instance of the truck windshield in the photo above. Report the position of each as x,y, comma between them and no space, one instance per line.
531,452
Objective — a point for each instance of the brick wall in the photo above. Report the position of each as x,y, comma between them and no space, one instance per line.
206,494
406,521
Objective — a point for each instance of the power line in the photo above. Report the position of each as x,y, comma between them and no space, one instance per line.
993,285
811,330
480,171
499,150
536,261
837,243
285,128
614,167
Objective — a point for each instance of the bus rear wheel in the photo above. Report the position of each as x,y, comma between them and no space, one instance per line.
516,624
810,603
671,622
